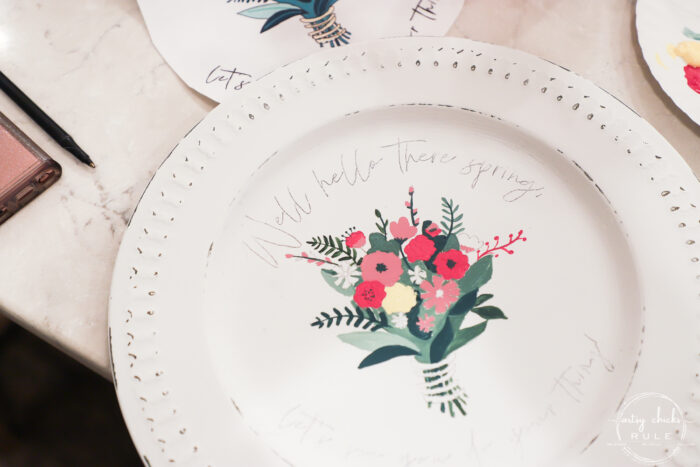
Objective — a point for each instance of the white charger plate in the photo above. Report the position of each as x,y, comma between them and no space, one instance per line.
662,25
217,46
216,357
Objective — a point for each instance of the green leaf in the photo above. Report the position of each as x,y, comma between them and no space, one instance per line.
330,277
367,318
439,346
482,298
374,340
265,11
378,242
464,304
452,243
335,248
464,336
383,354
477,275
687,32
489,312
412,326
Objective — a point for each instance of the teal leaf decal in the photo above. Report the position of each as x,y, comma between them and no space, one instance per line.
378,242
383,354
451,219
334,247
438,349
381,223
367,319
452,243
482,298
374,340
687,32
464,304
265,11
477,275
464,336
489,312
279,17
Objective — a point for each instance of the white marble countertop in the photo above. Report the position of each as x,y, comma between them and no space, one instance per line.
92,67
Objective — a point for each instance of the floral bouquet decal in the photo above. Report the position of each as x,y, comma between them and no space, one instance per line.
316,15
410,292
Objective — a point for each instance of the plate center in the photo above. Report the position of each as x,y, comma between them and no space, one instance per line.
479,202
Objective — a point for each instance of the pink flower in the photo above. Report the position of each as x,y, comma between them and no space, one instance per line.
369,294
382,267
421,248
402,230
440,294
410,190
433,230
426,323
452,264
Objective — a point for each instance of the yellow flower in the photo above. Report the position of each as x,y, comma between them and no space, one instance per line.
689,51
399,298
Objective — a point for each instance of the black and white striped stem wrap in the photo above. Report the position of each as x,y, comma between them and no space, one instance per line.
325,29
441,389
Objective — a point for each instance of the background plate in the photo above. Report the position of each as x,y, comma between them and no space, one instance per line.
660,25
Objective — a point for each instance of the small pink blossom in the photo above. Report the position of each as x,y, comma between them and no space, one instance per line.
402,230
410,190
426,323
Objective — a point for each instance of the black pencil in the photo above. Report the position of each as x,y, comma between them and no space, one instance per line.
43,120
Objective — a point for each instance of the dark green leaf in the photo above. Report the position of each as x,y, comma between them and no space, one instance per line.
439,346
413,322
463,336
482,298
464,304
489,312
383,354
356,317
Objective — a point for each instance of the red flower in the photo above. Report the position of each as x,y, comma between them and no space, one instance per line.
402,230
382,267
433,230
692,75
369,294
355,240
421,248
452,264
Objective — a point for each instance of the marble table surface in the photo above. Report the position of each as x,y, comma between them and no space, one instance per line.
92,67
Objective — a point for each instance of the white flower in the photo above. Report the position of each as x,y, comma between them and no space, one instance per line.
417,275
346,275
399,320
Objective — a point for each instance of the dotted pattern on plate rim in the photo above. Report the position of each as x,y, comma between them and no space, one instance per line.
141,318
